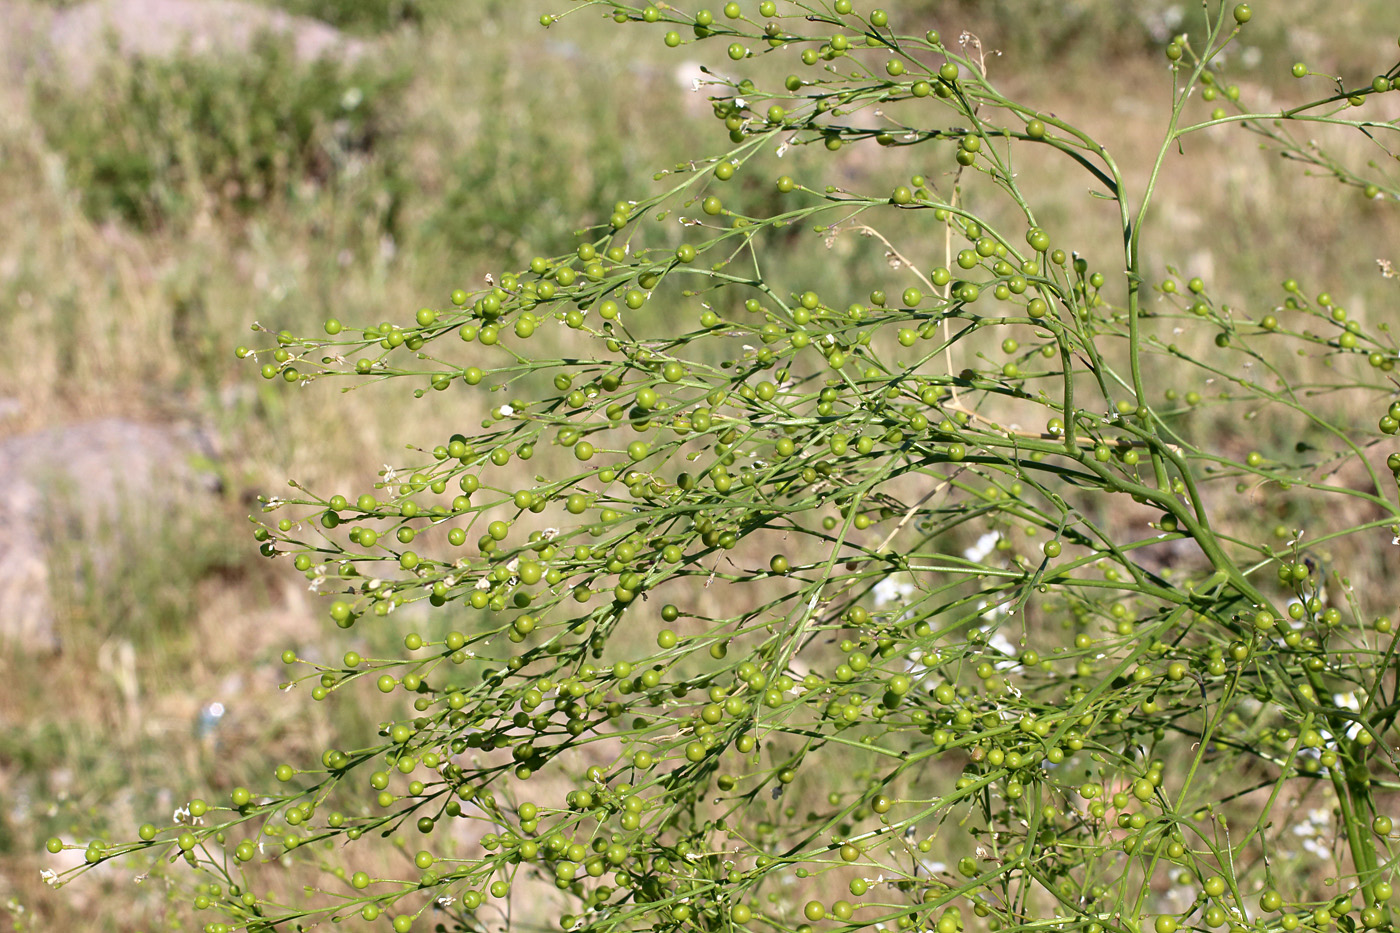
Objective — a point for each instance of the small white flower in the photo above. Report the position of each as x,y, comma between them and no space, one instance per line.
446,901
50,877
507,411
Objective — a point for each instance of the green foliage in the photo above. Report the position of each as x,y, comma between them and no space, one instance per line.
573,178
930,606
363,15
104,588
1032,28
152,141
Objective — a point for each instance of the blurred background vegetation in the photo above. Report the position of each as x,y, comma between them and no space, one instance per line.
157,207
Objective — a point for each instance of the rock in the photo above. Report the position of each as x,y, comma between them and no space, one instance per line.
74,40
60,488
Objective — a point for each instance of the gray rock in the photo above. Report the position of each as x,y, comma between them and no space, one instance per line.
60,488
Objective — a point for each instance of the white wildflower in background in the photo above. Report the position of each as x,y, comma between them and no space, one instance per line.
50,877
1348,701
1000,642
984,547
1311,831
1163,24
999,611
889,590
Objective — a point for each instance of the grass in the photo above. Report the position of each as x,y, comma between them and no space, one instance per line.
127,283
159,142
